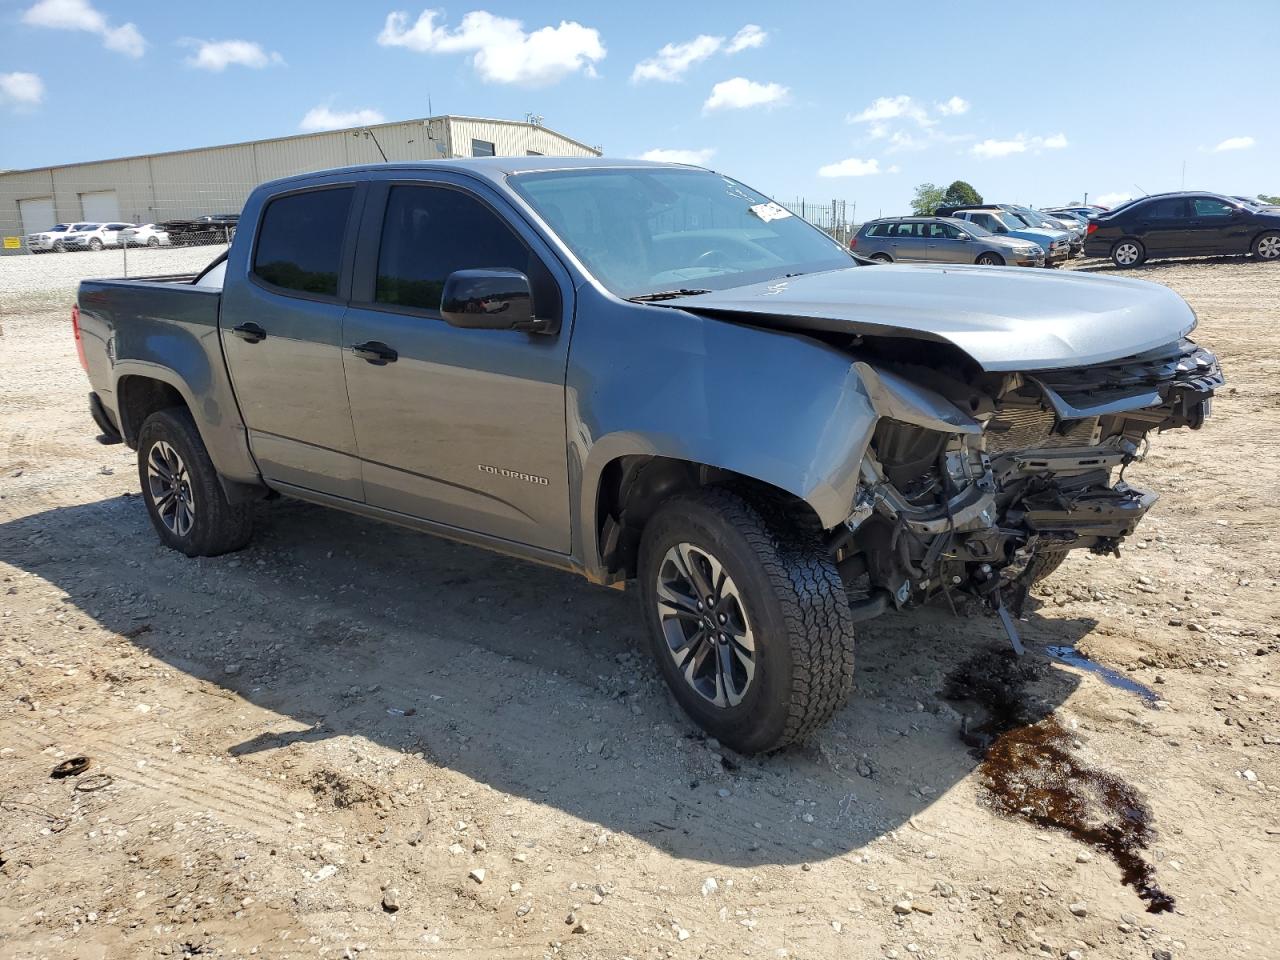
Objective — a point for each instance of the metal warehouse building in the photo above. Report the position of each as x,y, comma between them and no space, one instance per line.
208,180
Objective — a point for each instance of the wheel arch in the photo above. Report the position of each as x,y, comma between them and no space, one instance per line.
633,486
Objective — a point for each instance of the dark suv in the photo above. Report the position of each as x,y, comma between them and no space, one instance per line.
1186,224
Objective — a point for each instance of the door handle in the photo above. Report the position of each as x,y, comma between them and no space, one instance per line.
249,332
375,351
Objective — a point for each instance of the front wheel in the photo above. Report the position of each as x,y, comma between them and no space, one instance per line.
1128,253
95,244
153,241
180,487
1267,246
748,618
990,260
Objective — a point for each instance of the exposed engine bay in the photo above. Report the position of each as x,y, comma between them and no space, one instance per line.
980,482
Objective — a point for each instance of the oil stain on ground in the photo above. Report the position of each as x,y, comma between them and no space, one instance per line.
1029,771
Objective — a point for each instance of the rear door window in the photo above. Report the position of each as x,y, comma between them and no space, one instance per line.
1170,208
300,241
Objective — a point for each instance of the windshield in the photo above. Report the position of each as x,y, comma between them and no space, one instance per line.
85,226
643,231
59,228
973,229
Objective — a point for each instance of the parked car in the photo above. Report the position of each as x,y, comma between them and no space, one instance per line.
1055,243
201,231
1088,211
54,239
1184,224
95,236
941,240
652,373
146,235
1042,221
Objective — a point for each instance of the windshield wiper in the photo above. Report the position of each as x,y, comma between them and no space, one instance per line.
666,295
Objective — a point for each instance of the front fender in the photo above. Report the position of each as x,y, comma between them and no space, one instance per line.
781,408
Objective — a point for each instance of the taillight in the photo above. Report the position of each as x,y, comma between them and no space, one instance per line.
853,243
75,329
1092,227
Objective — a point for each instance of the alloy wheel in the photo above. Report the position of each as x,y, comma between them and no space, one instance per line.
1126,254
1269,247
170,487
705,625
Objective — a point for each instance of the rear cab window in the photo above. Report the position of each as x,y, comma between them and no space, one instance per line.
300,241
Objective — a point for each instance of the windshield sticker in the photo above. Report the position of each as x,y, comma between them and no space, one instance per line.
770,211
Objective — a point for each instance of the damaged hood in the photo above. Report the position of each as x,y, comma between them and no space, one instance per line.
1005,318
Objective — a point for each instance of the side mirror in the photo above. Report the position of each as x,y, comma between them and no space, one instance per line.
491,300
963,236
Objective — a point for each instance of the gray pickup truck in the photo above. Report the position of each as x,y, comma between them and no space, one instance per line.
651,373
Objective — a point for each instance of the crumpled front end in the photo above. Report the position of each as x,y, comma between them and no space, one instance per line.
981,482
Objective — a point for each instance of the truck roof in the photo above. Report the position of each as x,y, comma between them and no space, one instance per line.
491,168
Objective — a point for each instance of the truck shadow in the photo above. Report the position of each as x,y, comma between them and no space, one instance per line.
524,679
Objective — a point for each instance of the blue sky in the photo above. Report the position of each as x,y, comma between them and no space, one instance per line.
1034,103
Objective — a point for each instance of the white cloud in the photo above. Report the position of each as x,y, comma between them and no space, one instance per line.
739,93
891,108
21,89
699,158
953,107
999,148
502,52
217,55
81,15
989,149
1112,199
323,118
748,38
852,167
671,63
1234,143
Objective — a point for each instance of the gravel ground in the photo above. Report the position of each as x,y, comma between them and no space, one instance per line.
351,740
33,282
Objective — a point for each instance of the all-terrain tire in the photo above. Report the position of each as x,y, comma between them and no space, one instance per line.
216,525
792,596
1043,565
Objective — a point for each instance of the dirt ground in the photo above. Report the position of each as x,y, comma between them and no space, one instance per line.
353,740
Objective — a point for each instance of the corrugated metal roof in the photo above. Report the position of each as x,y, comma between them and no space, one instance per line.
306,136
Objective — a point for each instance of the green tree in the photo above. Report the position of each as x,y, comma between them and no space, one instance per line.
961,194
928,197
1268,199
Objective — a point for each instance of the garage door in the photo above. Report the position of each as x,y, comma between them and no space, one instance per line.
100,206
37,214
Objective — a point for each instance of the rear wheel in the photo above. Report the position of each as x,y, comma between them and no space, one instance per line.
882,257
990,260
180,486
747,615
1128,253
1267,246
95,243
153,241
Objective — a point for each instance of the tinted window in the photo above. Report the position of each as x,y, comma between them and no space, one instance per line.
481,148
1171,208
1209,207
429,232
300,241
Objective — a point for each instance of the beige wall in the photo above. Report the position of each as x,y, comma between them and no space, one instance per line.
218,179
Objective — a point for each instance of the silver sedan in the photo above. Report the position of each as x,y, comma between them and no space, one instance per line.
941,240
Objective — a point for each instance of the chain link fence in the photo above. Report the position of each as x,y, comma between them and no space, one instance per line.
147,228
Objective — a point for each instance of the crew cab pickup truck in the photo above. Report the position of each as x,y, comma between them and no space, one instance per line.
647,373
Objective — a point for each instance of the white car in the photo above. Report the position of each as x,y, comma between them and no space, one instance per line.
146,235
52,239
95,236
